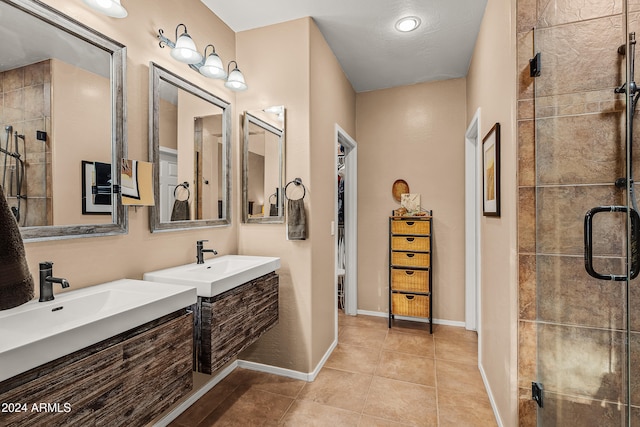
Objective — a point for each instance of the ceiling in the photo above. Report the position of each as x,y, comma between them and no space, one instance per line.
362,35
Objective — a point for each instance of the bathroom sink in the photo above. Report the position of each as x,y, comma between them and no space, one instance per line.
217,275
38,332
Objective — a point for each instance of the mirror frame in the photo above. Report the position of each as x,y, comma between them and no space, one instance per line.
248,119
157,73
118,52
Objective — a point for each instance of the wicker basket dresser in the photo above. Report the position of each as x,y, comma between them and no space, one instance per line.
410,267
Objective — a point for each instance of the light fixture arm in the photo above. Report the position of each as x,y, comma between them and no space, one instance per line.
164,40
229,66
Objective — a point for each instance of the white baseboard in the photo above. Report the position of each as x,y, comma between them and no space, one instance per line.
414,319
164,421
310,376
490,394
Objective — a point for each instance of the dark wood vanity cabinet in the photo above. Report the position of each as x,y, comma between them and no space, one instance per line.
235,319
127,380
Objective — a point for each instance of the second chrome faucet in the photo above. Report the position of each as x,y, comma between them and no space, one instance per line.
200,250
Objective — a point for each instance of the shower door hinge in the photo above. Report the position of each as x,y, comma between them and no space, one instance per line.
116,189
535,66
536,393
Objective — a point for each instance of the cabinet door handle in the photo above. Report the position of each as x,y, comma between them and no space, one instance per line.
409,272
410,297
410,255
410,239
410,223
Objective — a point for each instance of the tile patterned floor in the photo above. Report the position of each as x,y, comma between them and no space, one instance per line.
375,377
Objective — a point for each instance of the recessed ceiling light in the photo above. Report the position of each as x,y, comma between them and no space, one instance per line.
408,23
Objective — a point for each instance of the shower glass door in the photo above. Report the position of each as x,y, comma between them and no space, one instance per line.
587,314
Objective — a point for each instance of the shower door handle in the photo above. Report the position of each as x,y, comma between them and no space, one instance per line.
634,243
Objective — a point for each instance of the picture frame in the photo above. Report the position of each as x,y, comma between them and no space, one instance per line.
93,202
491,172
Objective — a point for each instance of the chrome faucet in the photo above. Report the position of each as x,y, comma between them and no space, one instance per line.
200,250
47,281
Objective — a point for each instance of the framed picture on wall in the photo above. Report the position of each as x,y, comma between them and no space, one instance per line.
96,188
491,172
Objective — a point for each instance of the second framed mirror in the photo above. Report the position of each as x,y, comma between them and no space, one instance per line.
263,165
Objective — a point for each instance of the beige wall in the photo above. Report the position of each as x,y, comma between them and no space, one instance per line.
333,101
89,261
80,130
277,59
294,67
413,133
491,86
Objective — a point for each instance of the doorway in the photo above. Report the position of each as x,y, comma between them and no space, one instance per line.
346,221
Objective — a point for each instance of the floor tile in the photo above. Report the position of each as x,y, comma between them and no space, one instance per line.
268,382
305,413
459,377
340,389
403,402
249,407
456,350
460,409
455,332
367,421
363,337
205,405
407,367
403,342
354,359
362,321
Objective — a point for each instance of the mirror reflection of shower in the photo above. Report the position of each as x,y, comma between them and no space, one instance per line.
14,169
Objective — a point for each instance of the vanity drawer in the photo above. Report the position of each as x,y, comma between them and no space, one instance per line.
410,227
409,280
410,259
410,305
409,243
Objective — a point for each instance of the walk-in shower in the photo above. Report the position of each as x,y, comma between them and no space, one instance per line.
579,224
14,169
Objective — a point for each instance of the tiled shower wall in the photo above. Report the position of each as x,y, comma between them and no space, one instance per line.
570,325
25,104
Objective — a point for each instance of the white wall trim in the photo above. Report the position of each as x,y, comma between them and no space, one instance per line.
413,319
473,201
490,394
289,373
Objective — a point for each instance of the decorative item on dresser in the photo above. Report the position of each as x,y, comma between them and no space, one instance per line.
410,267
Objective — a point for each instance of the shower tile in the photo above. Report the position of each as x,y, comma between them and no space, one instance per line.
527,287
582,149
581,361
526,15
556,12
13,106
582,52
525,109
634,302
573,297
560,220
581,411
525,52
13,79
527,343
526,153
34,74
527,408
634,351
33,102
36,176
526,220
46,71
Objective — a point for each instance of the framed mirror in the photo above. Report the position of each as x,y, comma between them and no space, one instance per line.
263,165
190,146
57,129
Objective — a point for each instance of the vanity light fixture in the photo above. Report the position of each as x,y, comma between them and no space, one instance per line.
235,81
209,65
111,8
408,23
212,66
278,110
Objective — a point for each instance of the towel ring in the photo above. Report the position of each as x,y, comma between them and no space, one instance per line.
184,185
297,182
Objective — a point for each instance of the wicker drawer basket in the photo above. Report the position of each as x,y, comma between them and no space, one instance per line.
410,280
410,305
410,259
410,227
409,243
